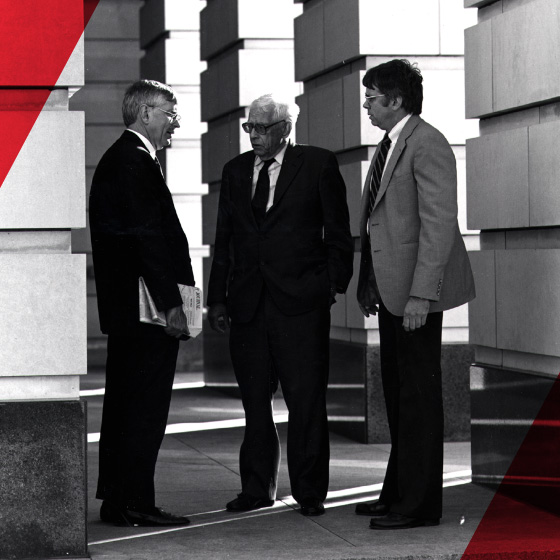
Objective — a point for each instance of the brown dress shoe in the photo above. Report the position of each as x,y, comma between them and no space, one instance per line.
372,509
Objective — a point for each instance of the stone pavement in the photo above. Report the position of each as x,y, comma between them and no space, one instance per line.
197,474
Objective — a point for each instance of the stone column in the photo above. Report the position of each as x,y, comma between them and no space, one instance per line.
335,42
112,55
513,173
169,34
43,312
247,56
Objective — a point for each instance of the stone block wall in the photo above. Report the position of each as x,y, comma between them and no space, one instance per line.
512,181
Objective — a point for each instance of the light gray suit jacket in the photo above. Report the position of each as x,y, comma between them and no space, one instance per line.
415,247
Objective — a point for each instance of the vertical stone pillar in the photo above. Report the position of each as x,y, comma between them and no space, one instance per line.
513,173
335,42
112,55
43,320
247,56
169,34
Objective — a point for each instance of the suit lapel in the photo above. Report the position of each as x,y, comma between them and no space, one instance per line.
409,127
290,166
247,167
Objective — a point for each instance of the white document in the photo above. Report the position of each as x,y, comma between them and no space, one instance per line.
192,307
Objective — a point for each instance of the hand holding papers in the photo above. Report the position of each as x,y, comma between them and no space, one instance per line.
192,307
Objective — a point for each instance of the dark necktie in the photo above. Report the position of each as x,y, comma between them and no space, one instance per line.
156,161
262,191
377,170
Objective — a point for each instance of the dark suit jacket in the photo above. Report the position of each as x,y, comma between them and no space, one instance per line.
416,248
135,232
304,245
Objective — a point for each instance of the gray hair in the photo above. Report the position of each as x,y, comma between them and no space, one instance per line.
144,92
280,110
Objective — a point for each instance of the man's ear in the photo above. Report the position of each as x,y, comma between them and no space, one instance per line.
396,103
143,114
287,129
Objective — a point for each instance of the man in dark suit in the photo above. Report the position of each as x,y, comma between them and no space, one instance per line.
283,223
135,232
413,267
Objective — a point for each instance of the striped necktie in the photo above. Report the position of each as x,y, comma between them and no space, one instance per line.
377,170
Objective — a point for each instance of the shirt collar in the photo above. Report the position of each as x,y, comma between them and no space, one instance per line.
279,157
397,129
146,143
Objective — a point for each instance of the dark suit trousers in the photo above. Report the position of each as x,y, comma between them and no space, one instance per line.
411,375
294,350
139,380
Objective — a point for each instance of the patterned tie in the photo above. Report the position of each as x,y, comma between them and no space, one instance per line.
156,160
377,170
262,191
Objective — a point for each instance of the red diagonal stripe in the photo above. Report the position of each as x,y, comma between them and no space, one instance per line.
36,39
523,521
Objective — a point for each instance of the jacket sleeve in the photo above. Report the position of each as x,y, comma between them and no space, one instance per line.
145,207
337,236
221,262
435,173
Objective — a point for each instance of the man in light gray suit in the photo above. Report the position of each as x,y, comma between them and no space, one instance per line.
414,265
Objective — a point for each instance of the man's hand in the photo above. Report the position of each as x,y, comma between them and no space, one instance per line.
218,317
415,313
369,310
176,322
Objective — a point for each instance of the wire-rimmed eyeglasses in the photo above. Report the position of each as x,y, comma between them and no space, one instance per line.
173,116
259,128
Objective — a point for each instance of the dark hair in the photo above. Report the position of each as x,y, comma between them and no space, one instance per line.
144,92
398,78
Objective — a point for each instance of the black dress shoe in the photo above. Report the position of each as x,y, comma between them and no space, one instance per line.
312,508
399,521
372,509
151,517
243,502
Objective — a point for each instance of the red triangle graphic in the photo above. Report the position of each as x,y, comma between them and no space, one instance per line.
523,519
39,38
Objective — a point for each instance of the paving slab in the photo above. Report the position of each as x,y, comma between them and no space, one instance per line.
197,473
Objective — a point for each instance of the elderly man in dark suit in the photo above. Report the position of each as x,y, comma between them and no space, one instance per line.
135,232
413,267
283,250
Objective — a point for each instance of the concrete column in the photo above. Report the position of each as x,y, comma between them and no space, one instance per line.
112,54
248,47
169,35
512,196
43,321
335,42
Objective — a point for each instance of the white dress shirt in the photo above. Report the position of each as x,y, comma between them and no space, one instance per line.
146,142
273,172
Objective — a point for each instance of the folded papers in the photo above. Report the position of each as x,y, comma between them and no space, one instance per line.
192,307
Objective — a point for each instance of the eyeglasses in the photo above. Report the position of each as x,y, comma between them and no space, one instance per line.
173,116
259,128
368,97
